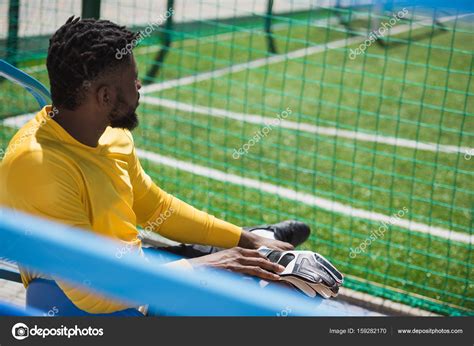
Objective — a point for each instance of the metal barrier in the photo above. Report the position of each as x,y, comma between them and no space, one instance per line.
89,260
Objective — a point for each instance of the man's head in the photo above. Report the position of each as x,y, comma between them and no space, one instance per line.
84,70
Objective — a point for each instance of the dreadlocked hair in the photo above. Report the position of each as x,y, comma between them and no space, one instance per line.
79,52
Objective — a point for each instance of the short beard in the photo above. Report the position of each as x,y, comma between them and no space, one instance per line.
118,119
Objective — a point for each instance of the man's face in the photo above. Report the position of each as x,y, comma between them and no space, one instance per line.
123,113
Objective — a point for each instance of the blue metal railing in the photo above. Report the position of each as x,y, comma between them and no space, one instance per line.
90,260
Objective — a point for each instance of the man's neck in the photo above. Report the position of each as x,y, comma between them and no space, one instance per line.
82,125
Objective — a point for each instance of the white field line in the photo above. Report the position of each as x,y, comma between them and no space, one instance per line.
308,199
20,120
248,65
305,127
281,57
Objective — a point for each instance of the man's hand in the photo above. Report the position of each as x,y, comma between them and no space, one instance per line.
249,240
249,262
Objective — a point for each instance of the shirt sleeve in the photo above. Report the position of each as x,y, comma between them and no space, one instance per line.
41,184
160,212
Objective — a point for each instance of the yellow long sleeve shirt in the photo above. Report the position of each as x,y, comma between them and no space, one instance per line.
46,172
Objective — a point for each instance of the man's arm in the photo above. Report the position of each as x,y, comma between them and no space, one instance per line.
161,212
179,221
158,211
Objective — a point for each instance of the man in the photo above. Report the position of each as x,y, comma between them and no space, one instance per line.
75,163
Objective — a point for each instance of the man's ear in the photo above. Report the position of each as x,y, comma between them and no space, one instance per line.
105,96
